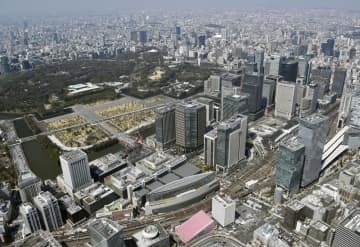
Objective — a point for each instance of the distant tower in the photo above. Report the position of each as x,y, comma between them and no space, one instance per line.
76,170
312,133
285,100
49,209
190,123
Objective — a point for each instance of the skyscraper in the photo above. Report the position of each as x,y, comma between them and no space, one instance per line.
29,186
322,76
268,92
273,63
201,41
352,53
49,209
234,104
212,86
285,100
312,133
30,217
259,60
231,142
290,165
143,37
210,140
106,233
190,123
165,126
134,36
253,85
327,48
288,69
76,170
339,81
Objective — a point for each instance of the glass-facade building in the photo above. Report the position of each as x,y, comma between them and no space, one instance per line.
231,141
312,133
165,126
290,165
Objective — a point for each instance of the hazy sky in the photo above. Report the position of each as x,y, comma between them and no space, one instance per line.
61,6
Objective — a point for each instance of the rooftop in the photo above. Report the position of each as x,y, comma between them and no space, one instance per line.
73,155
106,228
194,226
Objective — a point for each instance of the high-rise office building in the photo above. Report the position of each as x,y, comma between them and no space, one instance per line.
143,37
352,53
30,217
76,170
165,126
178,31
106,233
259,60
234,104
339,81
312,133
190,123
49,209
201,41
134,36
290,165
322,76
223,210
288,69
231,142
347,232
209,105
268,92
4,65
272,65
210,140
212,86
29,186
253,85
285,100
327,48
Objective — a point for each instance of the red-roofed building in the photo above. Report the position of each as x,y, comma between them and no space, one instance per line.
198,224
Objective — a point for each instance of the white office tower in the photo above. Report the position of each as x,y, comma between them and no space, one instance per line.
223,210
285,100
49,209
76,170
30,217
210,148
212,86
273,63
29,186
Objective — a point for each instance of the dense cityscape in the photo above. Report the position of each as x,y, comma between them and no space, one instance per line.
202,128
